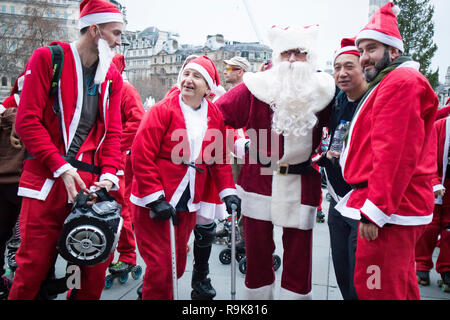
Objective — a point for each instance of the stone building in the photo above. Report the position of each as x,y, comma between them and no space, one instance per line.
28,24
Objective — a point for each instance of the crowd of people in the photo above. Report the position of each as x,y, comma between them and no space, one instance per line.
172,169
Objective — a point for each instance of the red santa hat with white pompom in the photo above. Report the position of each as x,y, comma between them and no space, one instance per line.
208,70
383,27
98,12
347,47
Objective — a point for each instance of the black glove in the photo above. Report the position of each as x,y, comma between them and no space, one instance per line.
162,210
230,200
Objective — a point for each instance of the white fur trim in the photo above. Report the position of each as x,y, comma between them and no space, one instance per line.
343,50
2,109
286,208
114,179
227,192
292,38
438,199
77,115
290,295
212,211
204,73
254,205
142,202
239,147
262,293
380,218
381,37
120,173
37,194
348,212
99,18
61,170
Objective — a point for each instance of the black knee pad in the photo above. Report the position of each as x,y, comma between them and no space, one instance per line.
205,234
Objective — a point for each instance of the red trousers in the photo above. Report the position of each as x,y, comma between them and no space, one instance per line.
126,245
40,228
385,267
427,242
297,256
153,240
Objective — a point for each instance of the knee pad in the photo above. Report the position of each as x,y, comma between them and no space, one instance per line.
205,234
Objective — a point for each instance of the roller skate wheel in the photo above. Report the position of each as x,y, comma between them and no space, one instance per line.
109,281
123,278
136,272
240,256
225,256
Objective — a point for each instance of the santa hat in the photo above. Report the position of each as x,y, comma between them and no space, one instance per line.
383,27
208,70
347,47
119,62
98,12
295,37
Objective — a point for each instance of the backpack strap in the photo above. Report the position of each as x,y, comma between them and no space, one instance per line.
57,62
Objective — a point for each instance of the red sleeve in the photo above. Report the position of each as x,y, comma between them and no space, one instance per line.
235,106
443,113
145,149
132,113
30,112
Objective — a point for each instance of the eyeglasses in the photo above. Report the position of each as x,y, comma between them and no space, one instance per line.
229,69
297,52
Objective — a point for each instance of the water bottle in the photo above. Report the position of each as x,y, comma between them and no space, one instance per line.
338,138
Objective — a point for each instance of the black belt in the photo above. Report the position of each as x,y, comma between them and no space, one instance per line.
362,185
305,167
189,164
80,165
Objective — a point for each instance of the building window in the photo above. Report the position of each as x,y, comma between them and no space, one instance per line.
4,81
13,9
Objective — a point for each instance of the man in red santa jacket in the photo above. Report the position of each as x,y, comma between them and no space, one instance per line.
89,131
284,110
389,160
180,141
132,111
441,218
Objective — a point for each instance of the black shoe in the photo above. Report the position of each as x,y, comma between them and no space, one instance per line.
202,290
423,277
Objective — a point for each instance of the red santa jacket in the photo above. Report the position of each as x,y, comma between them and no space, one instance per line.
392,147
161,150
132,111
442,128
46,139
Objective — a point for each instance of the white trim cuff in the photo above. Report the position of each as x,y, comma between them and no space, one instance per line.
62,169
142,202
114,179
227,192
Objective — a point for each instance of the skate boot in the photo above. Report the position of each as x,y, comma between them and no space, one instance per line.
320,218
120,270
445,282
201,287
139,292
423,277
5,286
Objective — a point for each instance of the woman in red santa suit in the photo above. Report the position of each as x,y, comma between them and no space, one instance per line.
180,140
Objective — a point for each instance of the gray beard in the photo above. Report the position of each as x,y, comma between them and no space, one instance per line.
379,66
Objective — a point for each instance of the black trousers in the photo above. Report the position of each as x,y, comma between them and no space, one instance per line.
343,236
10,204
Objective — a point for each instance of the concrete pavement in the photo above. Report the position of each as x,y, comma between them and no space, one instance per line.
323,278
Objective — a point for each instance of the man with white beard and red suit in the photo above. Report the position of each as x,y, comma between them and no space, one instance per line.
389,159
284,110
70,150
180,141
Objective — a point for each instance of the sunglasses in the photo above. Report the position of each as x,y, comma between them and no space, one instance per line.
296,52
229,69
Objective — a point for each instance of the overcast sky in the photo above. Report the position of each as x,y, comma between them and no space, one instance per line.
195,19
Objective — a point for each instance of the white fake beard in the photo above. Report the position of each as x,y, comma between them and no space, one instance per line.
293,93
105,56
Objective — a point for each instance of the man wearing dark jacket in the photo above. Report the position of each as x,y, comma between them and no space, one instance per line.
349,78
